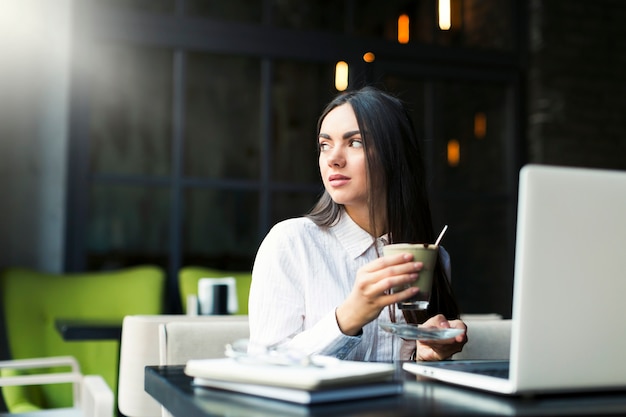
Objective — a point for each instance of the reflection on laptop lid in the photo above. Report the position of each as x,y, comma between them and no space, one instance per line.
569,288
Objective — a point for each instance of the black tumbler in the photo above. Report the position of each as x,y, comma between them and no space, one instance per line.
220,299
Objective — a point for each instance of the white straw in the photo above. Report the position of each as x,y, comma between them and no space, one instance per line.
441,235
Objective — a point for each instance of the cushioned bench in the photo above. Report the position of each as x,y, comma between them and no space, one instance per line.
486,339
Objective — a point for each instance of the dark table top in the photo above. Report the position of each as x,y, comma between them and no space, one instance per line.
172,388
89,329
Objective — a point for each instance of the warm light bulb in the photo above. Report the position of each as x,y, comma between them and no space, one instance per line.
341,75
454,152
369,57
444,15
480,125
403,28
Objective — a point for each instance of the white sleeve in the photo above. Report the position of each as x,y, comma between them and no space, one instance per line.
277,300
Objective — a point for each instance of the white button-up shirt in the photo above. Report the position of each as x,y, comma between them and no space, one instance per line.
301,274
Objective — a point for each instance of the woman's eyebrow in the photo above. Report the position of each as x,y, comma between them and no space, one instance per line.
348,135
345,136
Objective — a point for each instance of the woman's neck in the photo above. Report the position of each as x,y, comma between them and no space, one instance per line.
361,216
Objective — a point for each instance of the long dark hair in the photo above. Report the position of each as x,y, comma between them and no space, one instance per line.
396,178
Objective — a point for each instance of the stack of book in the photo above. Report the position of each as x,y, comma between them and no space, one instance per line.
332,380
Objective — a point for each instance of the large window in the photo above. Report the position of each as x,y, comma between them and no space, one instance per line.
193,125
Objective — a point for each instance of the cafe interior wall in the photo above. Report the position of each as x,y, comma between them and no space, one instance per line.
577,83
575,100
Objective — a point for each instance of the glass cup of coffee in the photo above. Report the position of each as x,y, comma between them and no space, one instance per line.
426,253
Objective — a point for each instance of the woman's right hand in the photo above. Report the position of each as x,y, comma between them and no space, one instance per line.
370,293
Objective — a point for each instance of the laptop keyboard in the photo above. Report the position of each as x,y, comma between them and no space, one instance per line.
496,373
499,369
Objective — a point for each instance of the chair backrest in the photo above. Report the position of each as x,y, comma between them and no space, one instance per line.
140,348
33,301
189,276
486,339
180,341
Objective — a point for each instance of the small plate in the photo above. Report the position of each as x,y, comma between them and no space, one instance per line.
419,332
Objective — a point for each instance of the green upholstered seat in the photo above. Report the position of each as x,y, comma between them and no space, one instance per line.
33,300
189,276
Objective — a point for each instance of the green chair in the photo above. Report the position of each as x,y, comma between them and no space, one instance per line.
189,276
33,300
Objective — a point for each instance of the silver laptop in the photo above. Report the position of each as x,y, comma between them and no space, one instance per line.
569,303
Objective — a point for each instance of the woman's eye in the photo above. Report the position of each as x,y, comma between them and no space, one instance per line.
323,146
356,143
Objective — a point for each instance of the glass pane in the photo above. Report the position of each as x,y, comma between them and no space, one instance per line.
158,6
286,205
131,109
223,116
328,15
490,24
472,193
127,226
473,120
296,106
374,18
221,228
249,11
473,23
471,197
479,24
481,271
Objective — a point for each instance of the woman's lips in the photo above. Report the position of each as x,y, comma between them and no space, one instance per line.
338,180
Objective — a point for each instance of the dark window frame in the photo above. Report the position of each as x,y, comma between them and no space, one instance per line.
95,21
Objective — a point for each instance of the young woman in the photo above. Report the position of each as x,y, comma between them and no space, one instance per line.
320,282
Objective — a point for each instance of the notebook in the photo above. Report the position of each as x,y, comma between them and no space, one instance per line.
569,294
306,396
333,372
330,380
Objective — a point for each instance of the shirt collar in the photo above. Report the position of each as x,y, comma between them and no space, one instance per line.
352,237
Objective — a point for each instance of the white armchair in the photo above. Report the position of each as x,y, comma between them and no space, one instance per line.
141,347
181,341
92,396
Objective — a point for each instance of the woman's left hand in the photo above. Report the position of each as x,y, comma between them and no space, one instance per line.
436,350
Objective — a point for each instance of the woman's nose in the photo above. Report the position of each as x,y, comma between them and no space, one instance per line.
336,157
